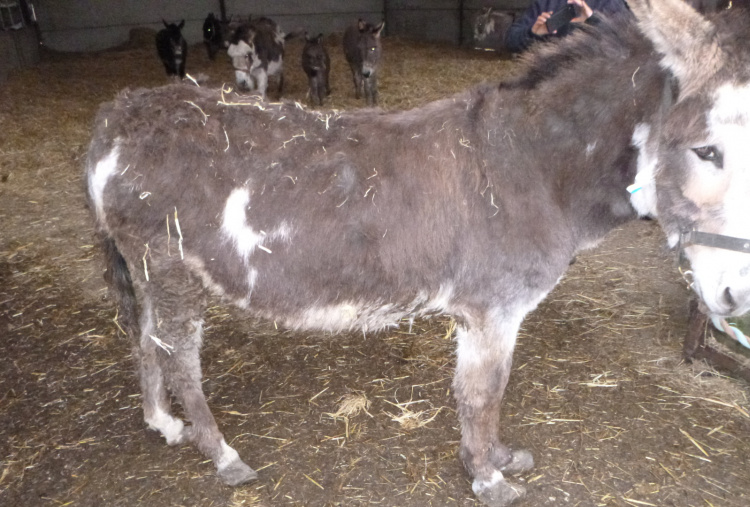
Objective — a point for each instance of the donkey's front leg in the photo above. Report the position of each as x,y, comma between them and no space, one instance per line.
484,357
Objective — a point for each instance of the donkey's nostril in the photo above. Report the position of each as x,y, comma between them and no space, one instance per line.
729,299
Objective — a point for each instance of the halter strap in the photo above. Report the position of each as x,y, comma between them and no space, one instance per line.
694,237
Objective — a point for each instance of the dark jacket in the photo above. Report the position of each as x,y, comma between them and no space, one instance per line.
519,35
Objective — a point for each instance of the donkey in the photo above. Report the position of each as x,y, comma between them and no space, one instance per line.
214,35
490,28
471,206
317,65
257,52
362,50
172,48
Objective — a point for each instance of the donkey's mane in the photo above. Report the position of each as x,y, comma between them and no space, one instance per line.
612,38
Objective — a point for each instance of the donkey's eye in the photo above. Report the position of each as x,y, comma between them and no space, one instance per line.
710,154
372,49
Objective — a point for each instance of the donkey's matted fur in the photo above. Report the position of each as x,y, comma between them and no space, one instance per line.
471,206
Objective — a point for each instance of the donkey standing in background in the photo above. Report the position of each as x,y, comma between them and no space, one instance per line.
214,35
172,48
491,27
317,65
257,52
471,206
362,50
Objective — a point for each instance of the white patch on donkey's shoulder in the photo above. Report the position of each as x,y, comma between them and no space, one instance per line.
100,176
235,227
243,237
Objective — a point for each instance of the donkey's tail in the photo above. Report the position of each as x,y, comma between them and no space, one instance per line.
121,288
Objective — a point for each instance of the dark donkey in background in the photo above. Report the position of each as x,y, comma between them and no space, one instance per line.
215,34
317,65
362,50
172,48
471,206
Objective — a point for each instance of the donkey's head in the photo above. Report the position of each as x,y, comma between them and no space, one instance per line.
698,173
484,24
369,46
176,41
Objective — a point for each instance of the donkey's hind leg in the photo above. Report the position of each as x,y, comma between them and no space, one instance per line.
138,324
178,337
184,377
156,410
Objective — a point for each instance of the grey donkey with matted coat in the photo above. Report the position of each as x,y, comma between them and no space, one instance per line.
471,206
363,49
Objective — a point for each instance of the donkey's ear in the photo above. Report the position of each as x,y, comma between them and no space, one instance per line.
686,40
361,25
376,31
181,25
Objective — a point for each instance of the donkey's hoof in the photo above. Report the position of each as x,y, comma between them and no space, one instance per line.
498,494
236,473
521,461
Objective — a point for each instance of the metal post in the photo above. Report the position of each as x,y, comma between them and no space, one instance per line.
223,11
461,22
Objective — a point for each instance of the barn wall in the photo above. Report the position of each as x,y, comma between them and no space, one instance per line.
18,49
436,20
319,16
81,25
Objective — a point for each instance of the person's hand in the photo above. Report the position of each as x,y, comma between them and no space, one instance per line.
540,26
583,9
